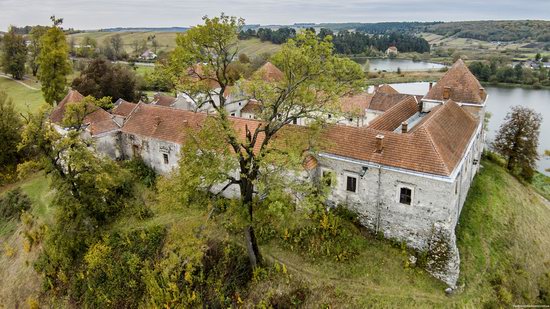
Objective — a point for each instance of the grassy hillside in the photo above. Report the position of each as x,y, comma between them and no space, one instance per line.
167,41
502,236
24,98
493,30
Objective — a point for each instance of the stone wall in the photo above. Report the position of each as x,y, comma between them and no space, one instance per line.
160,155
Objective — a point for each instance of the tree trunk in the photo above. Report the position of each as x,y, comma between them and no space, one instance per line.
247,191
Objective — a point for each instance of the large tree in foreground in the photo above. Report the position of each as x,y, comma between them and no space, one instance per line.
54,63
14,54
313,81
517,140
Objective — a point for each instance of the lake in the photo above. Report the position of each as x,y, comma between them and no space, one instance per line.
499,103
391,65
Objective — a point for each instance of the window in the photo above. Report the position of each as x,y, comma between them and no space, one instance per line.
351,184
294,121
405,196
165,156
135,150
329,116
233,114
327,178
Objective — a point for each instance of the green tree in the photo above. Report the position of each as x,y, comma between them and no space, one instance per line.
89,193
34,47
517,140
54,63
116,44
10,135
101,78
313,80
14,54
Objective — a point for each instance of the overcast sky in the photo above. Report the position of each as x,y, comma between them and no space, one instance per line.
95,14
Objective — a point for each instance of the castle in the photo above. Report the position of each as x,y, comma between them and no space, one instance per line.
403,163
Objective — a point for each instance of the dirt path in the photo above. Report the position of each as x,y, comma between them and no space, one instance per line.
18,81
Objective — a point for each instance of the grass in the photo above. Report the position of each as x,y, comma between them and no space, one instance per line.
24,99
167,41
502,237
20,283
255,47
38,190
541,183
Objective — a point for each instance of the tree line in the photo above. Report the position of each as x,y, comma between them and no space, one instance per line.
497,70
278,36
347,42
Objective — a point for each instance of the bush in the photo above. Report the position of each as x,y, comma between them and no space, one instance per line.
326,234
112,269
141,172
14,203
215,275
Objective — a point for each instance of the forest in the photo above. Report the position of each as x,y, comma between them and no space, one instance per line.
347,42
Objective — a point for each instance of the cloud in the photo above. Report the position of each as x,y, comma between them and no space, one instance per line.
87,14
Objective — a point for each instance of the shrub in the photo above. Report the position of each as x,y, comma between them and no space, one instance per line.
214,274
141,172
14,203
112,268
326,234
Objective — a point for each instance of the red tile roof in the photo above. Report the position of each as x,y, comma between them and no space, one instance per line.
59,111
434,146
99,120
396,115
462,84
163,100
385,88
252,107
382,101
270,73
123,108
169,124
356,104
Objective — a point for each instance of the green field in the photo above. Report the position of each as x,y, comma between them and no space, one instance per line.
167,41
24,99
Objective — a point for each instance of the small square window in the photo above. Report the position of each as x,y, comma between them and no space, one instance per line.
165,156
351,184
329,116
294,121
233,114
405,196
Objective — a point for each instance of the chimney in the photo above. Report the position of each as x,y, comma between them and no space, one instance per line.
481,92
446,93
404,127
431,85
379,143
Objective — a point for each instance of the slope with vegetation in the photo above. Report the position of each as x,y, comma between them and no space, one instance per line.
504,245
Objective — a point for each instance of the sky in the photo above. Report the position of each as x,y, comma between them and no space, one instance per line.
97,14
